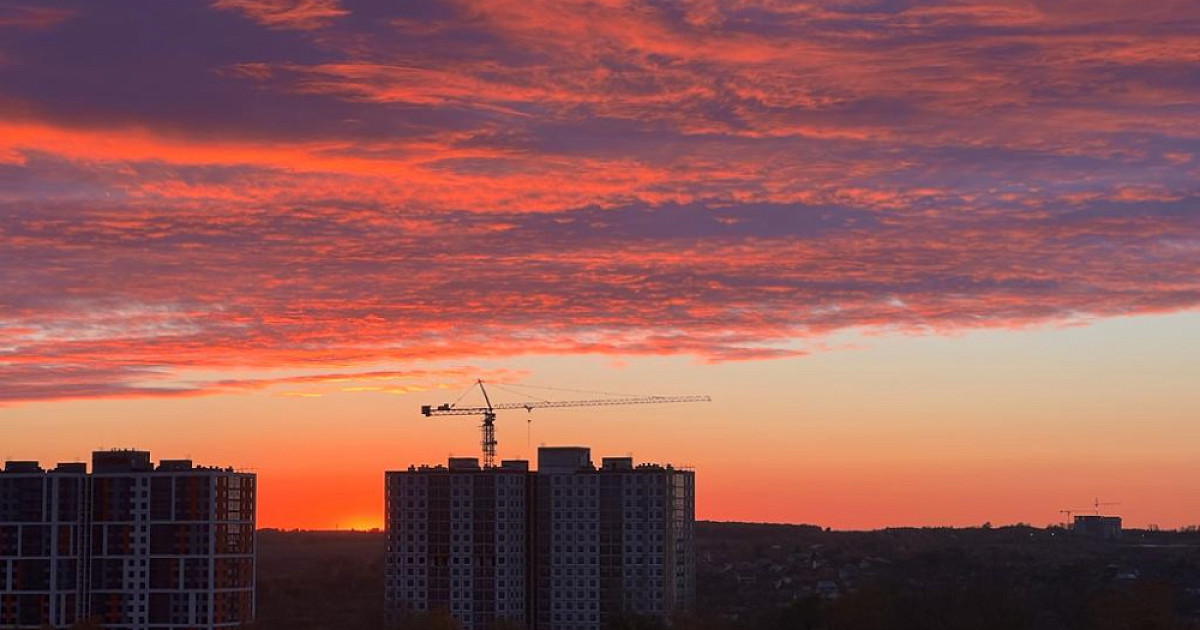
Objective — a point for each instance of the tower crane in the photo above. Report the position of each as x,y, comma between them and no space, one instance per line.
1069,523
488,426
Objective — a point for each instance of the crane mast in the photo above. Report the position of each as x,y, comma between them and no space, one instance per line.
488,412
1096,503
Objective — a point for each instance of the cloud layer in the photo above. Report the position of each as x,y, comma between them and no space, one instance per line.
283,184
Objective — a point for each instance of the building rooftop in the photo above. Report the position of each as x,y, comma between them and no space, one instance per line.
114,461
551,459
16,466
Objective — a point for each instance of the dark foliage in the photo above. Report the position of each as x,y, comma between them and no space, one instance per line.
770,577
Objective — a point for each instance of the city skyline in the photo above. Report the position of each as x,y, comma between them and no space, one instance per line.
935,262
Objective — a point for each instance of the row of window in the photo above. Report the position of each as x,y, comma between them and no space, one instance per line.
562,559
422,504
561,603
577,617
457,482
576,526
458,551
576,513
456,572
571,571
514,537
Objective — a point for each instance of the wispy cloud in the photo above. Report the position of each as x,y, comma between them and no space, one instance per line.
31,16
292,14
78,378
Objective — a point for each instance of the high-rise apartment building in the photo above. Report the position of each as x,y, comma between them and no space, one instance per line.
568,547
132,545
43,545
457,538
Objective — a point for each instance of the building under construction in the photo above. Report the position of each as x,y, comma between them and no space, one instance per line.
570,546
130,545
1096,526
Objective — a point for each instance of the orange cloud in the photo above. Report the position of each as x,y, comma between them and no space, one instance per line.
732,181
301,15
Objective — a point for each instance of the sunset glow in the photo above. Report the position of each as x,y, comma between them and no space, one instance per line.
936,262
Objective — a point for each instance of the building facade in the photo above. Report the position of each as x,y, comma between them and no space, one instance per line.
43,545
457,538
568,547
134,546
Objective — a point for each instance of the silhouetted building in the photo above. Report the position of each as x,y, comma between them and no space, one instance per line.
133,546
43,545
457,541
1103,527
568,547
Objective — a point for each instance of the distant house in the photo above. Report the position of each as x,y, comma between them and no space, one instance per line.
1100,527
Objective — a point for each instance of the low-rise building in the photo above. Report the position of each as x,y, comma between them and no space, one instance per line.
1094,526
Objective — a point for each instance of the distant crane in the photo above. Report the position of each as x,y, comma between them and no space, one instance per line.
488,427
1068,513
1095,509
1096,505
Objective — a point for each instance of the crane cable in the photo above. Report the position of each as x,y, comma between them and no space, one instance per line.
513,391
528,416
464,394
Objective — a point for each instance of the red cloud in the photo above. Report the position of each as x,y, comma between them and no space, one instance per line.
502,177
32,17
301,15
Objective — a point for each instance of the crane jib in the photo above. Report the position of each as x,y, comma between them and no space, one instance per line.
489,440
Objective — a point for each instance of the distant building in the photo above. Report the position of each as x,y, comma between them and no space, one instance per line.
1102,527
134,546
568,547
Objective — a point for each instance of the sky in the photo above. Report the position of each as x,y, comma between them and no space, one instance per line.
936,262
